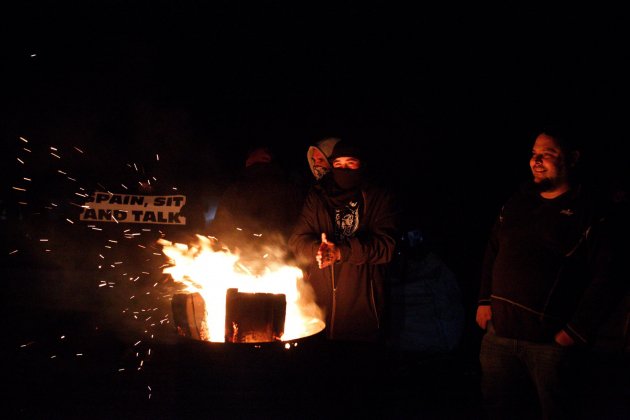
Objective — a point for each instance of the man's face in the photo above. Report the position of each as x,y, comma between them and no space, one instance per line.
548,164
347,162
320,163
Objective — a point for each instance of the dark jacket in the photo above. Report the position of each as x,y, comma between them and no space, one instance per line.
548,266
259,206
355,306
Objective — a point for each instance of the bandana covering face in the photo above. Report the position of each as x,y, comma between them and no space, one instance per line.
347,179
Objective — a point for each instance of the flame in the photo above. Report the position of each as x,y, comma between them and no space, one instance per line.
203,269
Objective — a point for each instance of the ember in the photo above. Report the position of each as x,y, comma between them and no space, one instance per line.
275,305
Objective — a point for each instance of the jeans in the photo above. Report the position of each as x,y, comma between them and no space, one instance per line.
523,379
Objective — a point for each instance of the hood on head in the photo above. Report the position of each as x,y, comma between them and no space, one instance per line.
325,147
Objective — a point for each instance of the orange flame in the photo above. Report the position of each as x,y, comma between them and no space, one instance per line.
209,272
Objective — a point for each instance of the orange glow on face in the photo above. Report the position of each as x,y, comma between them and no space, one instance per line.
202,269
347,162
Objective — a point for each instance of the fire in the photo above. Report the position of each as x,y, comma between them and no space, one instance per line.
202,269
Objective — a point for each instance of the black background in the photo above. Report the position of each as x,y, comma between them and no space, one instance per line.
446,98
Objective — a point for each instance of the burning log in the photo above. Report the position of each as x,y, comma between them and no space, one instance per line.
249,317
254,317
189,315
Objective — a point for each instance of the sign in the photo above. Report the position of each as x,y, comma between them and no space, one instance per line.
129,208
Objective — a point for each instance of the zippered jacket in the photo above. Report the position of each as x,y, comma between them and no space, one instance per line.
352,291
549,265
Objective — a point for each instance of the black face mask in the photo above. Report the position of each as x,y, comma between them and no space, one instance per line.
347,179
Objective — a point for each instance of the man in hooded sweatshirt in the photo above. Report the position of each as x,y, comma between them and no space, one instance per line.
318,155
346,236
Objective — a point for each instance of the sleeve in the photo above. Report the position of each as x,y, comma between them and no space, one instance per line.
305,237
492,248
377,243
607,263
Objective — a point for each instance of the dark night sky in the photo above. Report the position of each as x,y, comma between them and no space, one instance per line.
449,97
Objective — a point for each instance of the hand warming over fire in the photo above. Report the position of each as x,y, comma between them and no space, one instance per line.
327,253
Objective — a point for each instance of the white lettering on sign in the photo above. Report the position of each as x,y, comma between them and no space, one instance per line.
129,208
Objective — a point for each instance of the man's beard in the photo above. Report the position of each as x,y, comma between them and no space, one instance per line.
544,185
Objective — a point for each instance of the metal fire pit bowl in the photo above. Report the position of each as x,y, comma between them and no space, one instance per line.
251,318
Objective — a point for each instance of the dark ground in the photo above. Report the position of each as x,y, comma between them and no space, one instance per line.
81,360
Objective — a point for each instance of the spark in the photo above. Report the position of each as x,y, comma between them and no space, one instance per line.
70,221
124,186
157,157
78,150
21,161
13,252
61,172
27,344
53,148
26,150
137,343
23,139
57,156
43,240
19,189
26,179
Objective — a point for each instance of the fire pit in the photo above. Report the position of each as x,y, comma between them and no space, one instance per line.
249,317
224,302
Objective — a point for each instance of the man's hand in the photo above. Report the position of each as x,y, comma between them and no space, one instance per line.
484,314
327,253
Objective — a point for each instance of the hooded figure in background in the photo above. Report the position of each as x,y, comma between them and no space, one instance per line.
318,155
345,236
257,211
